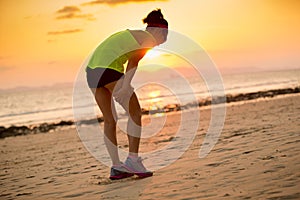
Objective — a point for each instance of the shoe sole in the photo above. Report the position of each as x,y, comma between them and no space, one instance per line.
139,174
121,176
144,175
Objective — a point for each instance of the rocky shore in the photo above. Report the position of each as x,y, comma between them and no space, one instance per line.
24,130
46,127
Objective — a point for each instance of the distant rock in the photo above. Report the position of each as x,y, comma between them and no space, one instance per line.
46,127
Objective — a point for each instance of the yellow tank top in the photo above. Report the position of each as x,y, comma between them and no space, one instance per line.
114,51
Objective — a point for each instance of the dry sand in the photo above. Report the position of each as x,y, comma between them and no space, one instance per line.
256,157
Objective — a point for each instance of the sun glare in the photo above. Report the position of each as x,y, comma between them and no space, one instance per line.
154,94
155,103
152,53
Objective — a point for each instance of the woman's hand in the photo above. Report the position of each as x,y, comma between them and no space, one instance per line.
122,94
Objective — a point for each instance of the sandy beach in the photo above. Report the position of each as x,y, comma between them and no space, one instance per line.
256,157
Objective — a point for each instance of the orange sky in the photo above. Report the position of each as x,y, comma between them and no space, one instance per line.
44,42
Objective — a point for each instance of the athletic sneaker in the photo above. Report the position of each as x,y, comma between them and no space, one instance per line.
135,165
119,172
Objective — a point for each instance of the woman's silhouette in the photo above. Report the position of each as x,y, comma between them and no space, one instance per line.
107,78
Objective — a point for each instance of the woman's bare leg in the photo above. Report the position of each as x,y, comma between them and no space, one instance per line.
134,125
134,121
104,100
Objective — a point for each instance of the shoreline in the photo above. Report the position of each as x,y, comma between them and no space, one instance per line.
48,127
257,156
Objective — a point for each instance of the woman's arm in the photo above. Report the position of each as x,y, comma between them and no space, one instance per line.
136,56
124,90
132,67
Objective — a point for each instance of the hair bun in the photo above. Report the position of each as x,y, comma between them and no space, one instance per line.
153,17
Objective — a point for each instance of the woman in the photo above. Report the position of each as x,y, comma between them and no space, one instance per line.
107,79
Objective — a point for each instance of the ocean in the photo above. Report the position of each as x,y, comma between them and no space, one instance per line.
31,106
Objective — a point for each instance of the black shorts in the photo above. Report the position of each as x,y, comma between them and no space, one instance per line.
100,77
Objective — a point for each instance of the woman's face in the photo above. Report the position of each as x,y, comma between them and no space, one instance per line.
161,35
165,34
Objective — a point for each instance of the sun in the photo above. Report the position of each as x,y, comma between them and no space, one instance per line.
153,53
154,94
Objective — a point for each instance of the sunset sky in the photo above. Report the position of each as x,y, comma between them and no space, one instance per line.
45,42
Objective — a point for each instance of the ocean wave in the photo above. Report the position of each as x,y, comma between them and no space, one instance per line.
35,112
46,127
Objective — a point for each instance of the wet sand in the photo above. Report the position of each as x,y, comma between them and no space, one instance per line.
256,157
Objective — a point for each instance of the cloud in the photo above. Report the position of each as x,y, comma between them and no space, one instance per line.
115,2
68,9
71,12
27,17
52,62
3,57
64,32
5,68
51,41
89,17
